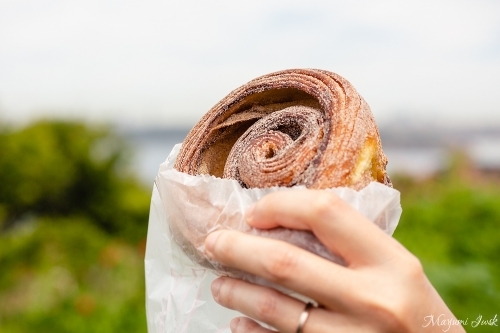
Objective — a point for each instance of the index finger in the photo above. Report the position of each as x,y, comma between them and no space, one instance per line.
337,225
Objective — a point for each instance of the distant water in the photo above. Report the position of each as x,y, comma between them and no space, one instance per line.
417,162
152,148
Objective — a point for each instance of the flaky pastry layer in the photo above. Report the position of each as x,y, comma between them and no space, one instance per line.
294,127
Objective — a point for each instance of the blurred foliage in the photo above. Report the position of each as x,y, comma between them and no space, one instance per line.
61,275
69,169
452,224
73,226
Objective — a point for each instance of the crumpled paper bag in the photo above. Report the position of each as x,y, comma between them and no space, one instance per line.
185,209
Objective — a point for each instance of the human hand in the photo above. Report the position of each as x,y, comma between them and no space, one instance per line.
382,288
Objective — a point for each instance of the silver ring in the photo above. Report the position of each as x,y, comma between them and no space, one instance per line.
303,317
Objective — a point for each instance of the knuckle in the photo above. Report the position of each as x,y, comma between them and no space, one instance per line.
396,313
282,264
266,307
324,203
223,245
226,293
247,326
391,312
408,267
414,268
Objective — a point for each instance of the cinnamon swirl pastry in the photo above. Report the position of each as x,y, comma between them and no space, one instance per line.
294,127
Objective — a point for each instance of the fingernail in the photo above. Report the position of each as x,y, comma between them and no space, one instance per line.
210,243
249,213
215,289
234,324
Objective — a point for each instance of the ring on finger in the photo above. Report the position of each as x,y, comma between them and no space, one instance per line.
303,317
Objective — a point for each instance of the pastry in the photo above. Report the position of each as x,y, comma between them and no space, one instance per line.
294,127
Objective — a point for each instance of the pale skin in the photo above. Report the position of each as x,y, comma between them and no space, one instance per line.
383,288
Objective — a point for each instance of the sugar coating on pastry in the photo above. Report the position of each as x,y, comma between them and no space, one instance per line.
294,127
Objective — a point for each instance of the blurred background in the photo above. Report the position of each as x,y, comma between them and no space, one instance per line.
94,94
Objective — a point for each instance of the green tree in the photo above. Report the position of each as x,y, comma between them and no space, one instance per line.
451,222
73,224
67,169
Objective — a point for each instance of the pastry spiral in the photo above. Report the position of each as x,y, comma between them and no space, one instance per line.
294,127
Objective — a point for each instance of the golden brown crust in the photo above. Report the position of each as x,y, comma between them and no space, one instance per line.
299,126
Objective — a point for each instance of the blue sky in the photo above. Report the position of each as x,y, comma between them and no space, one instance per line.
165,63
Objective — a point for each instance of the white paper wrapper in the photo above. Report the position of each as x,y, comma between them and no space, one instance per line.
185,208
